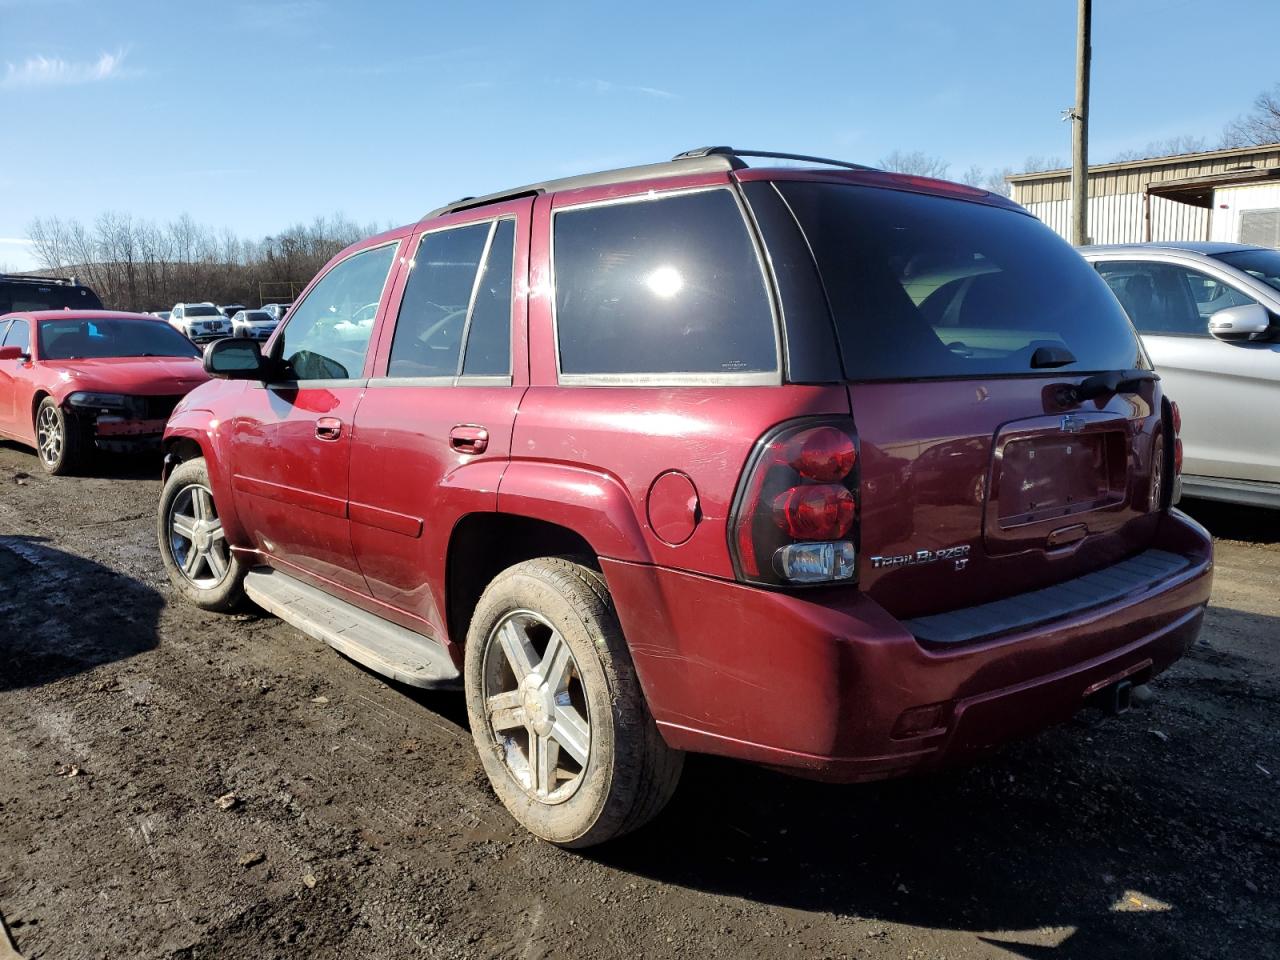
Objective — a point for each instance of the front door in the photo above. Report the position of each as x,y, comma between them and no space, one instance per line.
433,432
16,333
292,437
1220,387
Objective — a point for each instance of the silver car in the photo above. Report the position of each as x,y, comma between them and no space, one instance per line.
253,324
1209,316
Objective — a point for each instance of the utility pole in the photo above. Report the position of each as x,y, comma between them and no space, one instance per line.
1080,127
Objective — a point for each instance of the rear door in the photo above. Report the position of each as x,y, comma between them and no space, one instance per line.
1219,386
962,327
291,439
433,432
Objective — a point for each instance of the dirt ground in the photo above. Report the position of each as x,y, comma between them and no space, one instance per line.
362,825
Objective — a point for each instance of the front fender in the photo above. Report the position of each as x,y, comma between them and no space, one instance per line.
199,426
592,504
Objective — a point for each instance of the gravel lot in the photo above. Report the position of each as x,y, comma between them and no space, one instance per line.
361,824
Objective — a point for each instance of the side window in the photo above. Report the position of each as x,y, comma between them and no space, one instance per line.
488,350
437,298
1156,296
327,335
18,335
665,285
1212,295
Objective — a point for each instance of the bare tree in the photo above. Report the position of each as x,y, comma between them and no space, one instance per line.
1260,125
1168,147
915,162
1038,164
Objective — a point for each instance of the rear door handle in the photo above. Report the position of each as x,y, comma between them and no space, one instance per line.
328,428
469,438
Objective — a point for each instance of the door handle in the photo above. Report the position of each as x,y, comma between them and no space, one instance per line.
469,438
328,428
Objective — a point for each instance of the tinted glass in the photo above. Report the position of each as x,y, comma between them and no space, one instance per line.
327,336
666,285
1262,265
111,337
488,350
1163,298
18,296
924,286
433,311
18,335
198,311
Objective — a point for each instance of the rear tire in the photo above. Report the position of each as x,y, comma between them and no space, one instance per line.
556,710
61,442
196,555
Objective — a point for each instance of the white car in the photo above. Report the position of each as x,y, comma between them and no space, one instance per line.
253,324
199,322
1209,316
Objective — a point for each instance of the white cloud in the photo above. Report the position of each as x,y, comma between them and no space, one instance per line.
606,87
41,71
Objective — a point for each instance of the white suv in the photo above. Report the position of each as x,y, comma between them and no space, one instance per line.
199,322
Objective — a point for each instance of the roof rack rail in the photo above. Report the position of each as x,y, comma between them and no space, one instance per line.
37,278
768,154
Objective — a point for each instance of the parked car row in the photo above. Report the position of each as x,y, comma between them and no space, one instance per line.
844,472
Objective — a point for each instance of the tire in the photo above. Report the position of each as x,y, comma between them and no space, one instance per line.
629,773
200,563
62,444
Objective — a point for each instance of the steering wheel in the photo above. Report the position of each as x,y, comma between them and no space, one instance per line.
367,312
442,327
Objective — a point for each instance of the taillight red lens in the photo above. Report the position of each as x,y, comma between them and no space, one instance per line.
1176,415
823,454
818,512
794,518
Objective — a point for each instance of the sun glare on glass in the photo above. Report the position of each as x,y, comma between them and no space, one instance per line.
665,282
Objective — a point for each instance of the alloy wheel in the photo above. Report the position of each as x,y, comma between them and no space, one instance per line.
49,439
536,706
196,539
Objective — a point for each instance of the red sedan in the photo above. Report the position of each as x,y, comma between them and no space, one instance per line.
73,380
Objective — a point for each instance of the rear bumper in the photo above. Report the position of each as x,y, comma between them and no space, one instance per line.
829,685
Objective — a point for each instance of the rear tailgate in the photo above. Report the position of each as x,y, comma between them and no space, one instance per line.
973,492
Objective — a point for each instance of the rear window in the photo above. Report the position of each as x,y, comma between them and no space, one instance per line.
923,286
664,285
24,297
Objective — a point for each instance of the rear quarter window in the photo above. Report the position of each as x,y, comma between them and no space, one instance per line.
661,285
927,287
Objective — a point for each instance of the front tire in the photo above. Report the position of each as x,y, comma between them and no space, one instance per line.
196,555
60,440
556,710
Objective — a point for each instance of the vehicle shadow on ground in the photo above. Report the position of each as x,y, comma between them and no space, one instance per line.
47,634
1232,522
101,465
1040,851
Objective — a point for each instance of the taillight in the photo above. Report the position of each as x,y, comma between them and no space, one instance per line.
1166,468
795,516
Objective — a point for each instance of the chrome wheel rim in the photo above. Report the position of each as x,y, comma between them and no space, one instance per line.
49,436
536,706
195,537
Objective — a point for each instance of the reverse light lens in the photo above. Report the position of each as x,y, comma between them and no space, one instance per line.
104,400
817,512
1177,456
815,562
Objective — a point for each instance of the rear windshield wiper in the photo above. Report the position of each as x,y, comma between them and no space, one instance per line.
1113,381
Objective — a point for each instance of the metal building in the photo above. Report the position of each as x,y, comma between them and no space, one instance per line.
1231,195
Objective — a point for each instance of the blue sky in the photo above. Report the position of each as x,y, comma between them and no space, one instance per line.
257,115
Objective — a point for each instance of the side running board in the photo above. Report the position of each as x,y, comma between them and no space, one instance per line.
384,647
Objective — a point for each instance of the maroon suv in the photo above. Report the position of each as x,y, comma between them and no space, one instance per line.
840,471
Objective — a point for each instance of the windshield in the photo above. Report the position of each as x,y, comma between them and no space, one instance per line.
1262,265
22,296
923,287
201,312
75,339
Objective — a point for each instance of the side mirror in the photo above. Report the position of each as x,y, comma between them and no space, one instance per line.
234,359
12,353
1249,321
